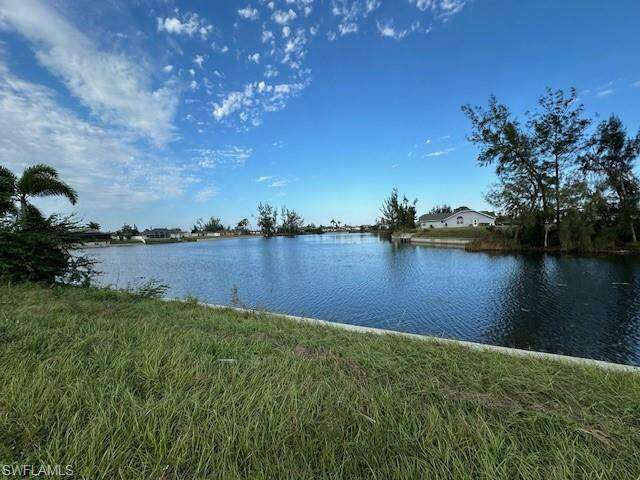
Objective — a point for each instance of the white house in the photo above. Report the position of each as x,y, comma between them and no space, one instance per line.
460,217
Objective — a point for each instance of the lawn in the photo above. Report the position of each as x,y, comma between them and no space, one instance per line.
119,386
462,232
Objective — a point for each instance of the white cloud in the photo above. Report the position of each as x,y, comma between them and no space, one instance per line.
270,71
219,48
442,8
168,68
254,99
105,165
205,194
255,58
267,35
387,29
249,13
263,178
230,104
441,152
279,183
233,155
636,84
604,93
347,28
198,60
281,17
189,25
114,87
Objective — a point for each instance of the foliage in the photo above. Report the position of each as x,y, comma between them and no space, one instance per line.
152,288
559,129
243,226
292,223
214,224
35,181
267,219
444,208
550,172
39,249
611,155
127,231
312,228
93,226
7,193
34,248
398,214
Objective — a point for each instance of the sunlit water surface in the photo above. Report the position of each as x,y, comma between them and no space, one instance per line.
587,307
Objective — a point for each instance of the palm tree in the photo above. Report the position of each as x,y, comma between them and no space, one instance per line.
36,181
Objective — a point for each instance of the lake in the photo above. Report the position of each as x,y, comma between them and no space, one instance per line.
586,307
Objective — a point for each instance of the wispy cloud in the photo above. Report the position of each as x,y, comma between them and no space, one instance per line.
441,8
439,153
249,13
188,24
106,166
604,93
233,155
205,194
263,178
279,183
114,87
636,84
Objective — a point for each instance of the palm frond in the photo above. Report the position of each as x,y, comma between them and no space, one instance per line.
42,181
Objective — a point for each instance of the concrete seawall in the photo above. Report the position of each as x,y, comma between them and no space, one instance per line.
433,241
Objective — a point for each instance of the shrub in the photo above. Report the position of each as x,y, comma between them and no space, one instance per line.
38,249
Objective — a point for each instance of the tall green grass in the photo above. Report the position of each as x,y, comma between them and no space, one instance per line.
124,387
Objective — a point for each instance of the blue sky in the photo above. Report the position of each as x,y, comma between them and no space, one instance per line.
160,112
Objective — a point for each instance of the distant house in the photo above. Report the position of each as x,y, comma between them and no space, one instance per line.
460,217
87,235
152,234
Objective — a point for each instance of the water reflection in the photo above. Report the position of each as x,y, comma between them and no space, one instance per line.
570,305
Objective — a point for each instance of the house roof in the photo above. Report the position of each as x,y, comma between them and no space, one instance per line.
435,217
162,230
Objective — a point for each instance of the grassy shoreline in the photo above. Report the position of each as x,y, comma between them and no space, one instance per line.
120,386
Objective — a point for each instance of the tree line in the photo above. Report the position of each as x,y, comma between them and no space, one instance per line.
563,180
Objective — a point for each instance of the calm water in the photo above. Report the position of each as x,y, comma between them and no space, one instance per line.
588,307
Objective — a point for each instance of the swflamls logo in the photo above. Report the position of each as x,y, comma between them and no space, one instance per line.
28,470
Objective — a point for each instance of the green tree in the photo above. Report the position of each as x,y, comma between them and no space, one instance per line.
559,129
611,155
93,226
398,213
503,141
7,192
267,219
214,224
36,181
444,208
243,225
127,231
32,247
291,222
